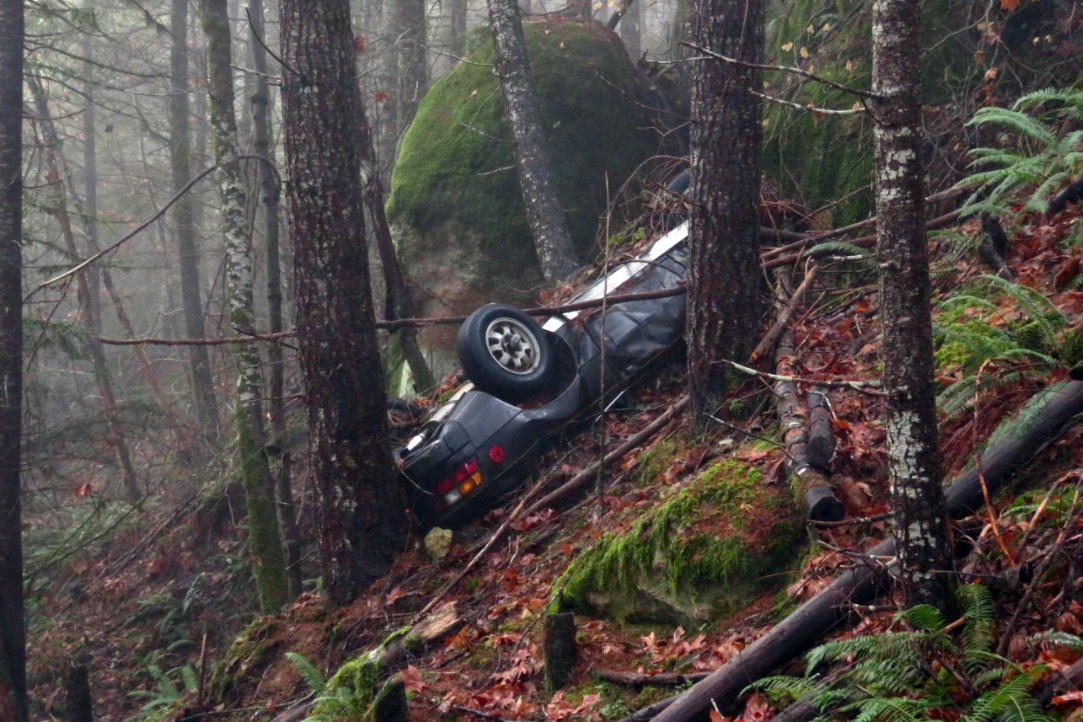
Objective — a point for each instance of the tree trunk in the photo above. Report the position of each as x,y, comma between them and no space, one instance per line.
184,221
629,29
360,515
56,176
90,173
724,280
13,702
79,705
408,30
264,539
913,453
552,240
398,302
270,193
457,27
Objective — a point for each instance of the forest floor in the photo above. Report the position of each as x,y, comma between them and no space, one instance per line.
144,618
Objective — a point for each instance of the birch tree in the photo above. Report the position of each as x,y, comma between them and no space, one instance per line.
724,286
13,703
264,540
552,239
913,455
360,516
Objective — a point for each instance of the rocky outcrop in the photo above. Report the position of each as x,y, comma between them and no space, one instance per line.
702,555
455,204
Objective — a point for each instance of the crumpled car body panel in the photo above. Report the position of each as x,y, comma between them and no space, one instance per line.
487,447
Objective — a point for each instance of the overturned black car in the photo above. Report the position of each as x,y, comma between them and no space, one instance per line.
479,446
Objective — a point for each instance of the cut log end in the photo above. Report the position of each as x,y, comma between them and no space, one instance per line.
822,504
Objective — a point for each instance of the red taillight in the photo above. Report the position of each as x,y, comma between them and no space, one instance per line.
496,454
456,477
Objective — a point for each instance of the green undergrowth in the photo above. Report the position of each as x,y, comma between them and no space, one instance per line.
456,169
702,554
353,691
1004,330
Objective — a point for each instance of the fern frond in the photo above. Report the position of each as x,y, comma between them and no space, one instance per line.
979,630
1060,639
1032,301
925,617
310,673
1016,120
1021,423
781,685
188,677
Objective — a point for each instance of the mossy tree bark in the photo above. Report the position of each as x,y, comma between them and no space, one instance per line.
552,239
913,454
360,516
270,194
724,279
184,220
13,702
264,539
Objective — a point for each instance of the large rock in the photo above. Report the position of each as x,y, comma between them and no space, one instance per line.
455,204
703,554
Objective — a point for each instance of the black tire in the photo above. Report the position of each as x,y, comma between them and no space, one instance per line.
505,353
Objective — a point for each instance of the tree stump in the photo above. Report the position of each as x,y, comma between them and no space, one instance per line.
77,688
390,703
559,649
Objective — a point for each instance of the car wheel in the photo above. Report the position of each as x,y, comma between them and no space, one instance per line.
504,352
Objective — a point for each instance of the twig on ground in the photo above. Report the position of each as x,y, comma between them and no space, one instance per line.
853,522
479,713
772,336
636,440
865,387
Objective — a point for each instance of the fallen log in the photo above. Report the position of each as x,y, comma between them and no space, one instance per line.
811,620
1067,680
1070,194
821,432
810,484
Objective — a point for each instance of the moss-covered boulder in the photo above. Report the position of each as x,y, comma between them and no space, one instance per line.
455,204
703,554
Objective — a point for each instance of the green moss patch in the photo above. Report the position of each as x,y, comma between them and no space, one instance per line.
250,653
701,555
455,175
